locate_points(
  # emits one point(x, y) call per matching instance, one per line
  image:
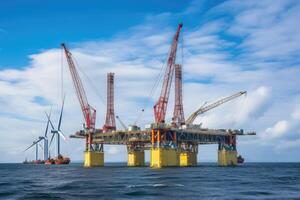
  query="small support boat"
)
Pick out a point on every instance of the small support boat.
point(240, 159)
point(60, 160)
point(50, 161)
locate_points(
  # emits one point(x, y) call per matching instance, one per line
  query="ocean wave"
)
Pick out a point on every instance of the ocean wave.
point(155, 185)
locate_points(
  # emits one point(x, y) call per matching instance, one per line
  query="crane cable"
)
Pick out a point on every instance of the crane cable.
point(62, 93)
point(158, 80)
point(152, 92)
point(90, 82)
point(242, 108)
point(62, 74)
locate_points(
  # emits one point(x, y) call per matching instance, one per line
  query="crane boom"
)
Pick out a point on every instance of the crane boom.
point(89, 112)
point(121, 122)
point(160, 107)
point(202, 109)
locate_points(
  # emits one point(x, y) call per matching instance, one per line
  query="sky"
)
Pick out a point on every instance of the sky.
point(225, 47)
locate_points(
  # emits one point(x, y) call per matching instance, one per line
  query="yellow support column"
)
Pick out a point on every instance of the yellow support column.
point(93, 158)
point(187, 159)
point(163, 157)
point(136, 158)
point(227, 157)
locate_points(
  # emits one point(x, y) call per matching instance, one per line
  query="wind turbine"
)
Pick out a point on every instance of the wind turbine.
point(36, 144)
point(45, 138)
point(57, 131)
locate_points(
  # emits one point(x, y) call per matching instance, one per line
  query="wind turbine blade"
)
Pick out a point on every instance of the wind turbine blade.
point(29, 147)
point(50, 121)
point(62, 135)
point(41, 146)
point(61, 113)
point(32, 144)
point(47, 127)
point(51, 139)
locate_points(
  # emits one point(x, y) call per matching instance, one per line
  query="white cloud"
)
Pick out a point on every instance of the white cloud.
point(284, 132)
point(278, 129)
point(239, 112)
point(272, 30)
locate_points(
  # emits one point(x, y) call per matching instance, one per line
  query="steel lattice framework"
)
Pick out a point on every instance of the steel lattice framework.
point(110, 123)
point(187, 136)
point(178, 115)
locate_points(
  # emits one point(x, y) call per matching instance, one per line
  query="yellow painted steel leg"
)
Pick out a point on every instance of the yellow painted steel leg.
point(188, 159)
point(227, 157)
point(163, 157)
point(93, 159)
point(136, 158)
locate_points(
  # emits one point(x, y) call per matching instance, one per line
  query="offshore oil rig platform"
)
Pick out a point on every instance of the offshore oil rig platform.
point(173, 144)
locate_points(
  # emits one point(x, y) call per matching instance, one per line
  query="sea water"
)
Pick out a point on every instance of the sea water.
point(117, 181)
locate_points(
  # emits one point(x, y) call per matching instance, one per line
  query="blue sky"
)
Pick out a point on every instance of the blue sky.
point(226, 46)
point(42, 25)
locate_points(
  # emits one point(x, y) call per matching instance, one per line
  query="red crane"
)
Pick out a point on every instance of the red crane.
point(160, 107)
point(88, 111)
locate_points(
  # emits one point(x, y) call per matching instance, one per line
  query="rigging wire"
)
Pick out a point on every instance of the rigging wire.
point(90, 82)
point(182, 49)
point(158, 80)
point(62, 96)
point(62, 75)
point(182, 63)
point(241, 109)
point(151, 93)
